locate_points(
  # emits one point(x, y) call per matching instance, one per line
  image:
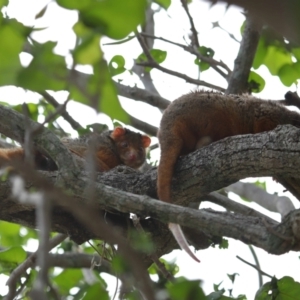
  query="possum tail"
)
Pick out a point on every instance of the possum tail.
point(181, 240)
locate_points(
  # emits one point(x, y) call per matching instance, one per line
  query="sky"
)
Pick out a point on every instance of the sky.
point(173, 25)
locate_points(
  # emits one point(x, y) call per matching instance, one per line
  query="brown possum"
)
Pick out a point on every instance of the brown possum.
point(200, 118)
point(112, 148)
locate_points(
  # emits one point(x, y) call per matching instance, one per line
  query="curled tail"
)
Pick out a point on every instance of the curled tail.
point(181, 240)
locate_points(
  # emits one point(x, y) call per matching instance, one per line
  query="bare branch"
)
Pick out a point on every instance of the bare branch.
point(146, 77)
point(152, 63)
point(136, 93)
point(145, 127)
point(75, 125)
point(233, 206)
point(12, 125)
point(212, 62)
point(254, 266)
point(291, 99)
point(238, 82)
point(280, 204)
point(194, 38)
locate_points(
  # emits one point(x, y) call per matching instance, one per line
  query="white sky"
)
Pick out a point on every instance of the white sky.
point(173, 25)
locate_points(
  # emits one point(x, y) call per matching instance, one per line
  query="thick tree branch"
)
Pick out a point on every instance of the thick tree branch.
point(215, 166)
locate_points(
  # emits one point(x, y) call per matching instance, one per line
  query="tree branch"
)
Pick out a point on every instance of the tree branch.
point(213, 167)
point(212, 62)
point(153, 64)
point(238, 82)
point(136, 93)
point(282, 205)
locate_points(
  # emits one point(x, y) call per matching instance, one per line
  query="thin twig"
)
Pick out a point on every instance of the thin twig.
point(161, 267)
point(254, 266)
point(152, 63)
point(195, 40)
point(212, 62)
point(75, 125)
point(260, 279)
point(28, 263)
point(43, 220)
point(182, 76)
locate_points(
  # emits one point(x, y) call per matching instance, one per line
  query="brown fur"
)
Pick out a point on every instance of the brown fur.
point(111, 148)
point(200, 118)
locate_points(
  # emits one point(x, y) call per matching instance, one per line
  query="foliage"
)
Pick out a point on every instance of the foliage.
point(279, 56)
point(119, 20)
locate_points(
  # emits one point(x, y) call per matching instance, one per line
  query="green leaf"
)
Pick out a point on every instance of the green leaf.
point(117, 65)
point(158, 55)
point(232, 276)
point(96, 291)
point(3, 3)
point(288, 74)
point(276, 58)
point(205, 51)
point(261, 184)
point(89, 51)
point(108, 100)
point(68, 279)
point(288, 288)
point(163, 3)
point(32, 108)
point(224, 244)
point(7, 228)
point(13, 255)
point(42, 12)
point(114, 18)
point(296, 53)
point(256, 82)
point(47, 71)
point(217, 287)
point(217, 296)
point(171, 267)
point(203, 66)
point(119, 265)
point(12, 40)
point(142, 242)
point(260, 54)
point(10, 234)
point(74, 4)
point(285, 288)
point(186, 289)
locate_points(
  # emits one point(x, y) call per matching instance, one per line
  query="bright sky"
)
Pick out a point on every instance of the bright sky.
point(173, 25)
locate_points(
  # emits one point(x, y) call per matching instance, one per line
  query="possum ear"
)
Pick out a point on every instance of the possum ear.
point(117, 132)
point(146, 141)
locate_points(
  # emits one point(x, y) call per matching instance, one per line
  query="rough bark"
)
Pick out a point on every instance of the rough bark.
point(273, 153)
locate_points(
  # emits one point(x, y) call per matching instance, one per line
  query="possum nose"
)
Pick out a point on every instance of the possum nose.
point(132, 156)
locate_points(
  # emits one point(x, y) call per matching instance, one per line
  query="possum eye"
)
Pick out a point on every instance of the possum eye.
point(124, 145)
